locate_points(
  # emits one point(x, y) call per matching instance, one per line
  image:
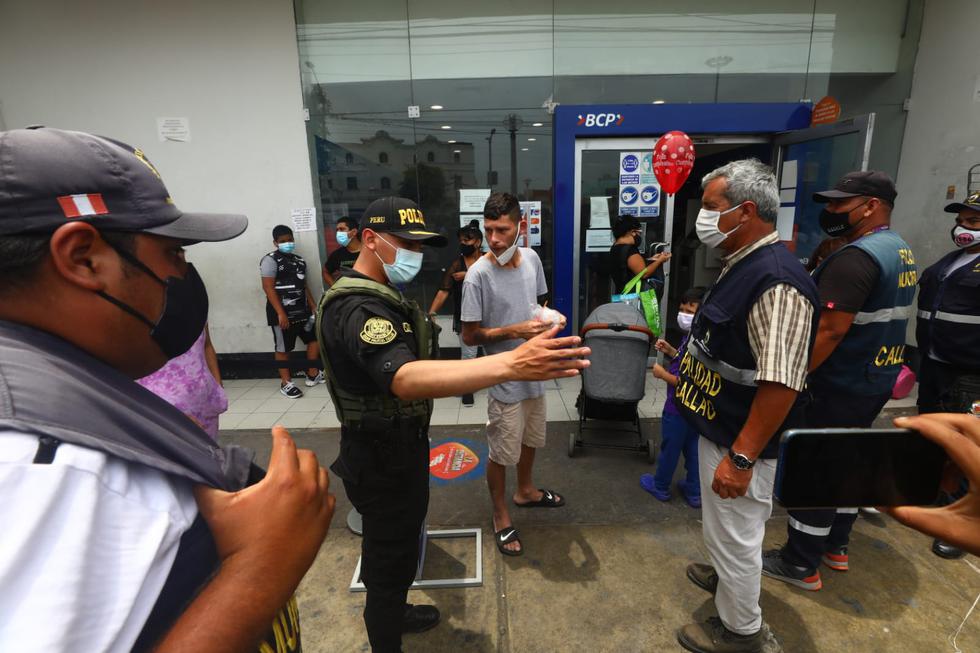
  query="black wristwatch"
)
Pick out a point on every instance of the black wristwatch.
point(741, 461)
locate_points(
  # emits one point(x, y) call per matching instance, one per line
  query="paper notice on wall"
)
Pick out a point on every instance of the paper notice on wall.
point(304, 219)
point(173, 129)
point(788, 178)
point(639, 191)
point(531, 212)
point(599, 212)
point(598, 240)
point(787, 196)
point(784, 222)
point(472, 200)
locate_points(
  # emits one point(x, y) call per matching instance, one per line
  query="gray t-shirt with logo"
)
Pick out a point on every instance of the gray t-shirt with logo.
point(499, 296)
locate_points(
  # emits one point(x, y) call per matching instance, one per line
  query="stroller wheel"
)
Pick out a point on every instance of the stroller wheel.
point(651, 451)
point(571, 444)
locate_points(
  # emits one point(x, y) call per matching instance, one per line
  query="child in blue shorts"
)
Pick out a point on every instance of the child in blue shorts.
point(677, 435)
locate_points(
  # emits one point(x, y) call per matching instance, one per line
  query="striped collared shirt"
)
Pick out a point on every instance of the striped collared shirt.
point(779, 326)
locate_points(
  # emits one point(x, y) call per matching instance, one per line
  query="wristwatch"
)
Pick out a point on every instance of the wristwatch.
point(741, 461)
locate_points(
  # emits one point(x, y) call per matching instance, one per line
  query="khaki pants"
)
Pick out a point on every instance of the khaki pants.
point(733, 531)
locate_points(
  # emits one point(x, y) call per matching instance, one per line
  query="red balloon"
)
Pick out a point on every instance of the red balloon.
point(673, 159)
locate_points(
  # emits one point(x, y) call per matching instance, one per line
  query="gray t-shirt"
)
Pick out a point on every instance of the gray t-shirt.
point(499, 296)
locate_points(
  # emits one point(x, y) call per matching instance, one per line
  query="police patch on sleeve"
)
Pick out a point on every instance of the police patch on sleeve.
point(378, 331)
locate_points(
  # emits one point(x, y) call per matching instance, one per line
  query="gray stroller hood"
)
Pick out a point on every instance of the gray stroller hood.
point(618, 364)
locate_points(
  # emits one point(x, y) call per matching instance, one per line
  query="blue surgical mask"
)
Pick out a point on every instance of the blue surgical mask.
point(343, 238)
point(287, 248)
point(406, 266)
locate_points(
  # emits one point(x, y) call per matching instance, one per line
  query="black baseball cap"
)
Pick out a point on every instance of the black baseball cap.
point(51, 176)
point(971, 203)
point(401, 217)
point(869, 183)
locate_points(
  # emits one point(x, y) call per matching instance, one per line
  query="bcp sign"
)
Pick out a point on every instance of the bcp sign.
point(600, 119)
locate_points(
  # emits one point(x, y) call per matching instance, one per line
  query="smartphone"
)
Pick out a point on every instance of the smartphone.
point(845, 468)
point(658, 248)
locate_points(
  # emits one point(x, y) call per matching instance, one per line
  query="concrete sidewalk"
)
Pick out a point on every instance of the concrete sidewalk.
point(606, 572)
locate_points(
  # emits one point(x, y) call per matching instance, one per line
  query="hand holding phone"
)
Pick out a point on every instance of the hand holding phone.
point(958, 523)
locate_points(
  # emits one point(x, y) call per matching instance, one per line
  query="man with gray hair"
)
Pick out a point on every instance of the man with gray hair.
point(739, 384)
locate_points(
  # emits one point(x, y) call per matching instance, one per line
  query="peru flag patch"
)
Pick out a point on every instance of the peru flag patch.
point(76, 206)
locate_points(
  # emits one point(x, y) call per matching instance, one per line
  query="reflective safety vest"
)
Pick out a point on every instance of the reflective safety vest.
point(364, 411)
point(867, 361)
point(948, 322)
point(716, 384)
point(290, 286)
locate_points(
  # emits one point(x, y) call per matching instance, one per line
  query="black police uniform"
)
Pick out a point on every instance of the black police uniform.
point(948, 328)
point(365, 338)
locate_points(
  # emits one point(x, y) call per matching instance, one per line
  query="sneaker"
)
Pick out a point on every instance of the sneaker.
point(290, 390)
point(468, 399)
point(711, 636)
point(774, 566)
point(704, 576)
point(315, 380)
point(836, 558)
point(870, 511)
point(693, 500)
point(420, 618)
point(646, 482)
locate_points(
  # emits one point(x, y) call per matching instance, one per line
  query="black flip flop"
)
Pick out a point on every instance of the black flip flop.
point(548, 500)
point(505, 536)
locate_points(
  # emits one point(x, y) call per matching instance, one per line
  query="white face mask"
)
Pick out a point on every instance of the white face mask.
point(707, 230)
point(684, 321)
point(965, 238)
point(508, 253)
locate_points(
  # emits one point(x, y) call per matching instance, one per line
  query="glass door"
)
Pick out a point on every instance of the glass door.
point(613, 176)
point(811, 160)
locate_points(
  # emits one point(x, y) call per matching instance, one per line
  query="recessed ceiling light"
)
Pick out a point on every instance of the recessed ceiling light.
point(436, 107)
point(532, 139)
point(523, 149)
point(537, 124)
point(658, 101)
point(446, 127)
point(450, 141)
point(457, 151)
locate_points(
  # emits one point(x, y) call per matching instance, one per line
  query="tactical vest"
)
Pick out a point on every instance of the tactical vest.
point(360, 411)
point(867, 361)
point(716, 384)
point(56, 391)
point(948, 321)
point(290, 286)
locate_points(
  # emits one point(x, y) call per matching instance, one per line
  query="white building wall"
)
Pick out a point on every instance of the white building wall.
point(231, 67)
point(942, 133)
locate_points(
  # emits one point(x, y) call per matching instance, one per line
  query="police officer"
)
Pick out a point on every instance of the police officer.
point(377, 348)
point(948, 326)
point(866, 291)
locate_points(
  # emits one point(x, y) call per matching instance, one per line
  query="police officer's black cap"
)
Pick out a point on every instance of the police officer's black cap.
point(400, 217)
point(51, 176)
point(863, 183)
point(971, 203)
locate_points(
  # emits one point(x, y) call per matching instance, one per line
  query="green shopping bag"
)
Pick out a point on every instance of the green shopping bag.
point(644, 300)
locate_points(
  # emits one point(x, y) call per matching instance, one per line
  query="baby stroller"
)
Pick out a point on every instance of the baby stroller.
point(613, 384)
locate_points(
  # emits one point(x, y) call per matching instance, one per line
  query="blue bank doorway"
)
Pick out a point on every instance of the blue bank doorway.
point(598, 147)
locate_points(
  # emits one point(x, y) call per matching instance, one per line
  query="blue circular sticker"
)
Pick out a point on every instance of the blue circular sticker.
point(628, 195)
point(630, 163)
point(650, 194)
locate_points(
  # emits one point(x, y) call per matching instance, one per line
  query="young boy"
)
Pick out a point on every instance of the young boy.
point(676, 433)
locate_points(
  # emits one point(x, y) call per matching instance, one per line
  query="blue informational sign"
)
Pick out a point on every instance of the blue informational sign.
point(630, 163)
point(628, 195)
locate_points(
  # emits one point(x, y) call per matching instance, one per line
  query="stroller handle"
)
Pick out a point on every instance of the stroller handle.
point(618, 326)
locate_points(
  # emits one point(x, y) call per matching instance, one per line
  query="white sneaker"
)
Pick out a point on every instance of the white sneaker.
point(290, 390)
point(315, 380)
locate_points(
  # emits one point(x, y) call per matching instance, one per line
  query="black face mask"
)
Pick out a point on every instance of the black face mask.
point(467, 250)
point(838, 224)
point(185, 309)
